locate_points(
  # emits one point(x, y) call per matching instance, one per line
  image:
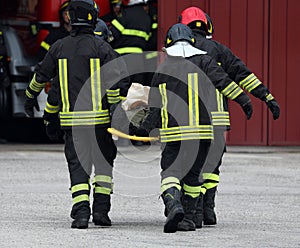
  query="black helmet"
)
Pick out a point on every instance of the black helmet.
point(83, 12)
point(101, 31)
point(179, 32)
point(210, 26)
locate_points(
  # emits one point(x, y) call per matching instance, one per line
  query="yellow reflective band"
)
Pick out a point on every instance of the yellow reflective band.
point(210, 185)
point(232, 91)
point(193, 99)
point(203, 190)
point(80, 198)
point(36, 86)
point(45, 45)
point(1, 33)
point(151, 55)
point(84, 114)
point(122, 97)
point(220, 102)
point(179, 137)
point(193, 195)
point(63, 80)
point(253, 85)
point(96, 84)
point(164, 187)
point(168, 180)
point(113, 92)
point(191, 189)
point(102, 190)
point(186, 129)
point(220, 118)
point(154, 26)
point(102, 178)
point(124, 50)
point(79, 187)
point(131, 32)
point(28, 94)
point(164, 111)
point(84, 122)
point(51, 108)
point(211, 176)
point(269, 97)
point(98, 33)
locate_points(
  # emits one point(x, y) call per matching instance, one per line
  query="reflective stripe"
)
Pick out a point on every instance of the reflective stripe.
point(84, 122)
point(193, 191)
point(52, 109)
point(151, 55)
point(45, 45)
point(103, 190)
point(220, 118)
point(269, 97)
point(124, 50)
point(210, 185)
point(131, 32)
point(203, 190)
point(170, 182)
point(36, 86)
point(186, 133)
point(63, 80)
point(84, 114)
point(102, 178)
point(232, 91)
point(211, 176)
point(250, 82)
point(80, 198)
point(29, 94)
point(193, 99)
point(113, 96)
point(96, 84)
point(154, 25)
point(79, 187)
point(220, 102)
point(164, 111)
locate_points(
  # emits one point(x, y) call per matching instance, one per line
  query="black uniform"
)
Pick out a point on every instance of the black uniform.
point(131, 32)
point(241, 74)
point(54, 35)
point(82, 98)
point(185, 125)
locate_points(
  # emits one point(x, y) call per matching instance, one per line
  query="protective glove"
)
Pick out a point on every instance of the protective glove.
point(138, 131)
point(53, 130)
point(274, 108)
point(29, 104)
point(248, 109)
point(244, 101)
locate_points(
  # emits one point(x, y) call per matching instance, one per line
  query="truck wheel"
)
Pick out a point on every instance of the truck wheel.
point(4, 105)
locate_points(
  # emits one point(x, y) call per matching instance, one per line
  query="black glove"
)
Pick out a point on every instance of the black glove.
point(29, 104)
point(248, 109)
point(53, 130)
point(138, 131)
point(244, 101)
point(274, 108)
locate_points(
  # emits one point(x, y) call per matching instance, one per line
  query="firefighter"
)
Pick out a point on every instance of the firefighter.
point(184, 121)
point(115, 8)
point(56, 33)
point(202, 27)
point(83, 113)
point(102, 31)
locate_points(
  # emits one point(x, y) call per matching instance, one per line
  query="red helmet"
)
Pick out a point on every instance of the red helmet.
point(193, 15)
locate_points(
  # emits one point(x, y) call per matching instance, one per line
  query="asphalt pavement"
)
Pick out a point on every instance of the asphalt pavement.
point(258, 200)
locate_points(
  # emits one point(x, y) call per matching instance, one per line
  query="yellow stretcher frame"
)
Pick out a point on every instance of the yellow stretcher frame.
point(131, 137)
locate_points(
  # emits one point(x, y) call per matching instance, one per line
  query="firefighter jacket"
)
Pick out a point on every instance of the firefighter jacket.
point(233, 66)
point(84, 96)
point(54, 35)
point(176, 94)
point(131, 30)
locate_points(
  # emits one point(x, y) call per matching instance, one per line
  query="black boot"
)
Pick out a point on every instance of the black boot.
point(209, 215)
point(81, 214)
point(171, 198)
point(189, 206)
point(101, 207)
point(198, 217)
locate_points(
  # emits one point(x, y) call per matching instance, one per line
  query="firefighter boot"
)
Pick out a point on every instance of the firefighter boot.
point(101, 207)
point(209, 215)
point(189, 206)
point(81, 214)
point(171, 198)
point(198, 217)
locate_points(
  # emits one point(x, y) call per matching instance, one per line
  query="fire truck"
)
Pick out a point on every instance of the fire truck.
point(24, 24)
